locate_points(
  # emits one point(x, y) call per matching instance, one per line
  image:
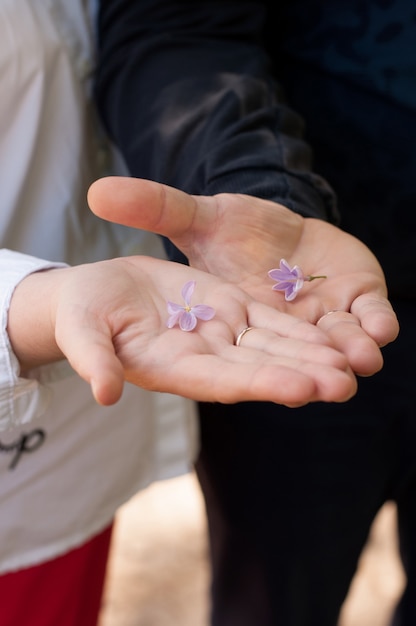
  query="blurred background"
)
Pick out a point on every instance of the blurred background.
point(159, 572)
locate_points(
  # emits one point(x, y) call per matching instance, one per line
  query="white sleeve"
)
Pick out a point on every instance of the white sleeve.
point(21, 399)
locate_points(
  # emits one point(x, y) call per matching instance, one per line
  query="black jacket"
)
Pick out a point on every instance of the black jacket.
point(196, 96)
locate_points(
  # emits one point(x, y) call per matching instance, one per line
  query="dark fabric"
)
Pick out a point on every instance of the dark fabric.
point(200, 107)
point(196, 95)
point(291, 494)
point(350, 71)
point(254, 97)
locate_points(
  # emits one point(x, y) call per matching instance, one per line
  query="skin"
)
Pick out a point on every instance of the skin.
point(109, 320)
point(239, 238)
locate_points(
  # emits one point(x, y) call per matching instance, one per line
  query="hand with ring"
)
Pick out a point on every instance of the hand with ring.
point(240, 238)
point(112, 321)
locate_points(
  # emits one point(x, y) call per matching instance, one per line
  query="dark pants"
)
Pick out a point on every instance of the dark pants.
point(291, 494)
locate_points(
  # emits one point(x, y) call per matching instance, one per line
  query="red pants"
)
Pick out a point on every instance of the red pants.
point(65, 591)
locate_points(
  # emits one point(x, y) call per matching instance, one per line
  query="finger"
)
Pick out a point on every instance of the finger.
point(148, 205)
point(242, 374)
point(284, 324)
point(377, 318)
point(270, 343)
point(328, 367)
point(91, 354)
point(349, 337)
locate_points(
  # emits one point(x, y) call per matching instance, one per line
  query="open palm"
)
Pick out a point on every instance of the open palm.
point(110, 320)
point(240, 238)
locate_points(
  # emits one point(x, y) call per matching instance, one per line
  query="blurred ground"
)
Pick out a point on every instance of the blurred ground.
point(159, 575)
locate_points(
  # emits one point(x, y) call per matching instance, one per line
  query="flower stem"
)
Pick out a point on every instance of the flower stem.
point(309, 278)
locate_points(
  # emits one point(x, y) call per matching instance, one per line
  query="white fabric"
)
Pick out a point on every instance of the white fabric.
point(66, 464)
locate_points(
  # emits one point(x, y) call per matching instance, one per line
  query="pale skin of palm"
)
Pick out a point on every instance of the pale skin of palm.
point(109, 320)
point(240, 238)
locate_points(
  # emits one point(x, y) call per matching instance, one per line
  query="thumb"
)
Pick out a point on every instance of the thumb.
point(150, 206)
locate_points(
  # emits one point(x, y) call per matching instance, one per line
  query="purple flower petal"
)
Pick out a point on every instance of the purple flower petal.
point(292, 291)
point(186, 315)
point(187, 291)
point(187, 320)
point(288, 279)
point(174, 318)
point(174, 308)
point(290, 271)
point(203, 312)
point(284, 273)
point(282, 286)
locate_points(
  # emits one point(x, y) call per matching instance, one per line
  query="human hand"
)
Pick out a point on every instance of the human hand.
point(109, 320)
point(240, 238)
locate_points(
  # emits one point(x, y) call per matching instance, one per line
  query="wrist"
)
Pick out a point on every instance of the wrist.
point(31, 319)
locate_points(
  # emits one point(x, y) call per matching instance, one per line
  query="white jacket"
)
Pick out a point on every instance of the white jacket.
point(66, 464)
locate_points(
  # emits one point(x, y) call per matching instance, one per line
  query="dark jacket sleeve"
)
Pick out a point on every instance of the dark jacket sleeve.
point(186, 91)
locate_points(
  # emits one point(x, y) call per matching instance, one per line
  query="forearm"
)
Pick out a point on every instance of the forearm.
point(187, 93)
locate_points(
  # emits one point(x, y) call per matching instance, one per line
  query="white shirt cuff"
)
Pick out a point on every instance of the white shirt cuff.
point(21, 399)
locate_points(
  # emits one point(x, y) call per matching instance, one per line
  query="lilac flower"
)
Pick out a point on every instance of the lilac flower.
point(187, 316)
point(289, 279)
